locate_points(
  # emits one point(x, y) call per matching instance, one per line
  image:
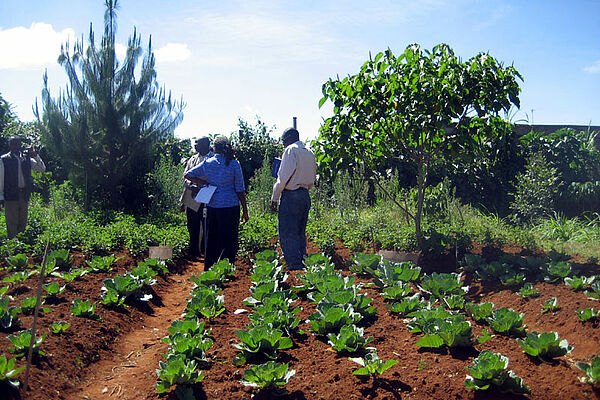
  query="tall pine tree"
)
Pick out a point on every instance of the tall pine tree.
point(105, 126)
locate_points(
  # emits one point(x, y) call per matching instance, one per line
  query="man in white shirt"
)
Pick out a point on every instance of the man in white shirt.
point(296, 177)
point(16, 184)
point(194, 209)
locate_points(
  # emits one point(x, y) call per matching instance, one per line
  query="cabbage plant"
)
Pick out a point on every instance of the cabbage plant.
point(350, 339)
point(490, 370)
point(269, 375)
point(260, 342)
point(544, 345)
point(8, 372)
point(507, 321)
point(592, 371)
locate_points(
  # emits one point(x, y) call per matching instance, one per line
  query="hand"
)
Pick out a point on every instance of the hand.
point(274, 206)
point(1, 203)
point(182, 207)
point(245, 217)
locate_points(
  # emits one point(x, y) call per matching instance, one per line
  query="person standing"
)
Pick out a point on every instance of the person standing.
point(295, 178)
point(194, 209)
point(16, 184)
point(223, 209)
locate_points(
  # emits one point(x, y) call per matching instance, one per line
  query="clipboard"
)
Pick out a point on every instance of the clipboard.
point(205, 194)
point(275, 169)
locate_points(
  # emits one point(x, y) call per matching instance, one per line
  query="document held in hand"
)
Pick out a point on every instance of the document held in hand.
point(205, 194)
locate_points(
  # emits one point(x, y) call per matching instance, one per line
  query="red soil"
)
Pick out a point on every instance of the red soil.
point(118, 358)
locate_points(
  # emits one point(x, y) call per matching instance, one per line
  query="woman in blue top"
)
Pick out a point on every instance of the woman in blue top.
point(223, 217)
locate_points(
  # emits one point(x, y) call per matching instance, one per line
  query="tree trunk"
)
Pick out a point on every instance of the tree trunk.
point(420, 196)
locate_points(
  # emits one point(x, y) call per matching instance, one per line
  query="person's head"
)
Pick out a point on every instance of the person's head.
point(14, 144)
point(290, 135)
point(202, 146)
point(223, 146)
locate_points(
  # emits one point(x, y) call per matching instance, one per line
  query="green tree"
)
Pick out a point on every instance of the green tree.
point(107, 123)
point(6, 114)
point(413, 107)
point(253, 145)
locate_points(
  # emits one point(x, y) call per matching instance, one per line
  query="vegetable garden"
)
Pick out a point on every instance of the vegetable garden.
point(361, 327)
point(500, 300)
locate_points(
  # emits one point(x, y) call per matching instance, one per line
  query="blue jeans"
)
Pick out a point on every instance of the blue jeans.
point(293, 216)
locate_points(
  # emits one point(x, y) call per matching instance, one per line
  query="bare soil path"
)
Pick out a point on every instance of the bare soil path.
point(131, 371)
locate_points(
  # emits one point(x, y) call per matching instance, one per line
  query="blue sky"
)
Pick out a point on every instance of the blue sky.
point(231, 59)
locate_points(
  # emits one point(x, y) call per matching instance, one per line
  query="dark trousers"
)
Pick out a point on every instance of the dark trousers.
point(193, 225)
point(293, 217)
point(222, 234)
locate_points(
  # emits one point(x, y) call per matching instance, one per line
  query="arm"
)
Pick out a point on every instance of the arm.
point(1, 182)
point(197, 175)
point(242, 197)
point(37, 164)
point(286, 170)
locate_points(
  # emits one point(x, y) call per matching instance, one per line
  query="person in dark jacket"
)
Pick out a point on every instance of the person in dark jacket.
point(16, 184)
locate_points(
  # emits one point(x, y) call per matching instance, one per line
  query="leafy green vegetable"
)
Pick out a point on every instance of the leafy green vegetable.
point(490, 370)
point(485, 336)
point(588, 314)
point(331, 283)
point(479, 312)
point(592, 371)
point(594, 293)
point(278, 319)
point(264, 271)
point(84, 309)
point(388, 273)
point(143, 274)
point(421, 318)
point(557, 270)
point(550, 305)
point(212, 277)
point(472, 262)
point(507, 321)
point(268, 375)
point(359, 302)
point(268, 255)
point(21, 342)
point(396, 292)
point(441, 285)
point(177, 370)
point(579, 282)
point(8, 314)
point(349, 340)
point(206, 302)
point(544, 345)
point(452, 331)
point(329, 318)
point(188, 326)
point(28, 305)
point(74, 274)
point(528, 291)
point(512, 278)
point(189, 346)
point(372, 365)
point(318, 260)
point(17, 262)
point(115, 291)
point(260, 342)
point(259, 291)
point(156, 264)
point(59, 327)
point(60, 259)
point(407, 305)
point(364, 263)
point(102, 264)
point(8, 371)
point(54, 289)
point(18, 277)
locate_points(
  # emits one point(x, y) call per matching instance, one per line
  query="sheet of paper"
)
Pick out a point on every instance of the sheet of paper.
point(205, 194)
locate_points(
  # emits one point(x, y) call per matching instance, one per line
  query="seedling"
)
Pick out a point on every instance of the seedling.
point(592, 371)
point(84, 309)
point(528, 291)
point(59, 327)
point(588, 314)
point(372, 365)
point(550, 305)
point(8, 371)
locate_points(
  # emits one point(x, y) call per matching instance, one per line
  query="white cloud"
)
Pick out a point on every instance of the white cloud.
point(172, 52)
point(33, 47)
point(594, 68)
